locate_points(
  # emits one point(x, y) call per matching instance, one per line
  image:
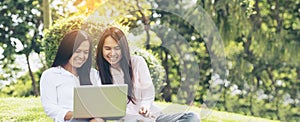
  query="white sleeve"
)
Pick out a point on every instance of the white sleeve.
point(49, 98)
point(95, 78)
point(146, 84)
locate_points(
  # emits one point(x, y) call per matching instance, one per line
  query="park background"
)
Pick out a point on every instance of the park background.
point(243, 60)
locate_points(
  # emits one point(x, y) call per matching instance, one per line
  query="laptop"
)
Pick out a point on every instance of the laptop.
point(105, 101)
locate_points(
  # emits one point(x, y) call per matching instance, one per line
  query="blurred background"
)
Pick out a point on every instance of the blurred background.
point(239, 56)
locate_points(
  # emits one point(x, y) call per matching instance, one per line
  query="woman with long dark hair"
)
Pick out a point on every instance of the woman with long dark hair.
point(71, 67)
point(116, 66)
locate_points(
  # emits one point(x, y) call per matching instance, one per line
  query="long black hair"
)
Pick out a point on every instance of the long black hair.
point(125, 62)
point(68, 45)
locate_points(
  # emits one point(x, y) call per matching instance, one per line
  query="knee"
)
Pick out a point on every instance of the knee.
point(193, 117)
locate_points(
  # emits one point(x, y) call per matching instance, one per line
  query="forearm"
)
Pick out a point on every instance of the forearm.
point(148, 95)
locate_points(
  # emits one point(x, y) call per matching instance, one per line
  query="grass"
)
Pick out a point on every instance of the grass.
point(22, 109)
point(208, 115)
point(30, 109)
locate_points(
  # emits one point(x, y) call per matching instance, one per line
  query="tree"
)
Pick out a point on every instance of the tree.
point(47, 19)
point(260, 40)
point(20, 25)
point(260, 44)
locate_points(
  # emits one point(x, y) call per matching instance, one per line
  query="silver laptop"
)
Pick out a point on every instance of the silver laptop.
point(105, 101)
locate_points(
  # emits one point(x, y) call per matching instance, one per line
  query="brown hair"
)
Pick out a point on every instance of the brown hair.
point(68, 45)
point(125, 62)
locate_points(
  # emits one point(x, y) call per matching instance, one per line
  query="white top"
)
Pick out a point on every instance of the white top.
point(56, 87)
point(143, 86)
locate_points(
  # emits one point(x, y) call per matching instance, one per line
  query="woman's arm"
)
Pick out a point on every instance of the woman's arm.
point(95, 78)
point(146, 87)
point(49, 98)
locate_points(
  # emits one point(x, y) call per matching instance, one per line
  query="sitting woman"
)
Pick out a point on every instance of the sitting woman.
point(116, 66)
point(71, 67)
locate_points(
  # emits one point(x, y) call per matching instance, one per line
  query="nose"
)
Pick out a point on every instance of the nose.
point(113, 52)
point(81, 55)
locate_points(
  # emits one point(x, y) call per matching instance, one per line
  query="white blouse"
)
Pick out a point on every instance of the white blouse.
point(143, 87)
point(56, 87)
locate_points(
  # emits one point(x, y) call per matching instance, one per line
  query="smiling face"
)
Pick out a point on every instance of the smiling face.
point(111, 51)
point(80, 55)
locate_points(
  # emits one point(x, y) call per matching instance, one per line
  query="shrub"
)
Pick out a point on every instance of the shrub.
point(156, 70)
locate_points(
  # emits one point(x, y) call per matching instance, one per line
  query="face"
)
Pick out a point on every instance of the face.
point(111, 51)
point(80, 55)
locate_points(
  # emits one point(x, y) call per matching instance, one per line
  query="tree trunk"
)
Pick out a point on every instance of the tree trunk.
point(146, 21)
point(148, 37)
point(167, 90)
point(46, 14)
point(35, 90)
point(277, 17)
point(256, 18)
point(224, 97)
point(251, 103)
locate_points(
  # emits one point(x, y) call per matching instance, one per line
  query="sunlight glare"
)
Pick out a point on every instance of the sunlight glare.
point(17, 43)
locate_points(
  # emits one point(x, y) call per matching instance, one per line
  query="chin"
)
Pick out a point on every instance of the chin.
point(111, 63)
point(78, 66)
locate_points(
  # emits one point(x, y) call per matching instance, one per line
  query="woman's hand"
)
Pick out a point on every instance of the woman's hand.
point(145, 111)
point(97, 120)
point(68, 115)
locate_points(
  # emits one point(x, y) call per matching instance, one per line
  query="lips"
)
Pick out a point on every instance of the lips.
point(79, 61)
point(113, 59)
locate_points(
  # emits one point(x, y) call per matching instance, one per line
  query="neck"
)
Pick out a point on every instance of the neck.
point(71, 69)
point(115, 66)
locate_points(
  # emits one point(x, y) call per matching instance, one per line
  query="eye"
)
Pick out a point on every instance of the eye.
point(86, 52)
point(77, 51)
point(107, 48)
point(117, 48)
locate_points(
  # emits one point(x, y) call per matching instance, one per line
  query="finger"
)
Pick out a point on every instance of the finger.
point(146, 111)
point(99, 120)
point(148, 114)
point(141, 111)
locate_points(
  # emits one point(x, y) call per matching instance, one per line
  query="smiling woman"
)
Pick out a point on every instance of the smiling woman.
point(116, 66)
point(71, 67)
point(111, 51)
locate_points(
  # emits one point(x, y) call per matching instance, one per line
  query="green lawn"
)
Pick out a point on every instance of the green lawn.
point(22, 109)
point(30, 109)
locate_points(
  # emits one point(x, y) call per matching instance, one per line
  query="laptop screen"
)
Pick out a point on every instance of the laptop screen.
point(106, 101)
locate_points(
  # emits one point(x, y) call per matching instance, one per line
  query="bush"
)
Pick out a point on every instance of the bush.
point(156, 70)
point(22, 87)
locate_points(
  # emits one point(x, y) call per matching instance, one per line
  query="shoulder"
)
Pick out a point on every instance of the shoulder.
point(51, 75)
point(137, 59)
point(52, 71)
point(138, 62)
point(95, 79)
point(94, 71)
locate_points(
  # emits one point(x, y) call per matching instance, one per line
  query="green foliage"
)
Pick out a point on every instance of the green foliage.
point(260, 56)
point(261, 39)
point(19, 34)
point(22, 87)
